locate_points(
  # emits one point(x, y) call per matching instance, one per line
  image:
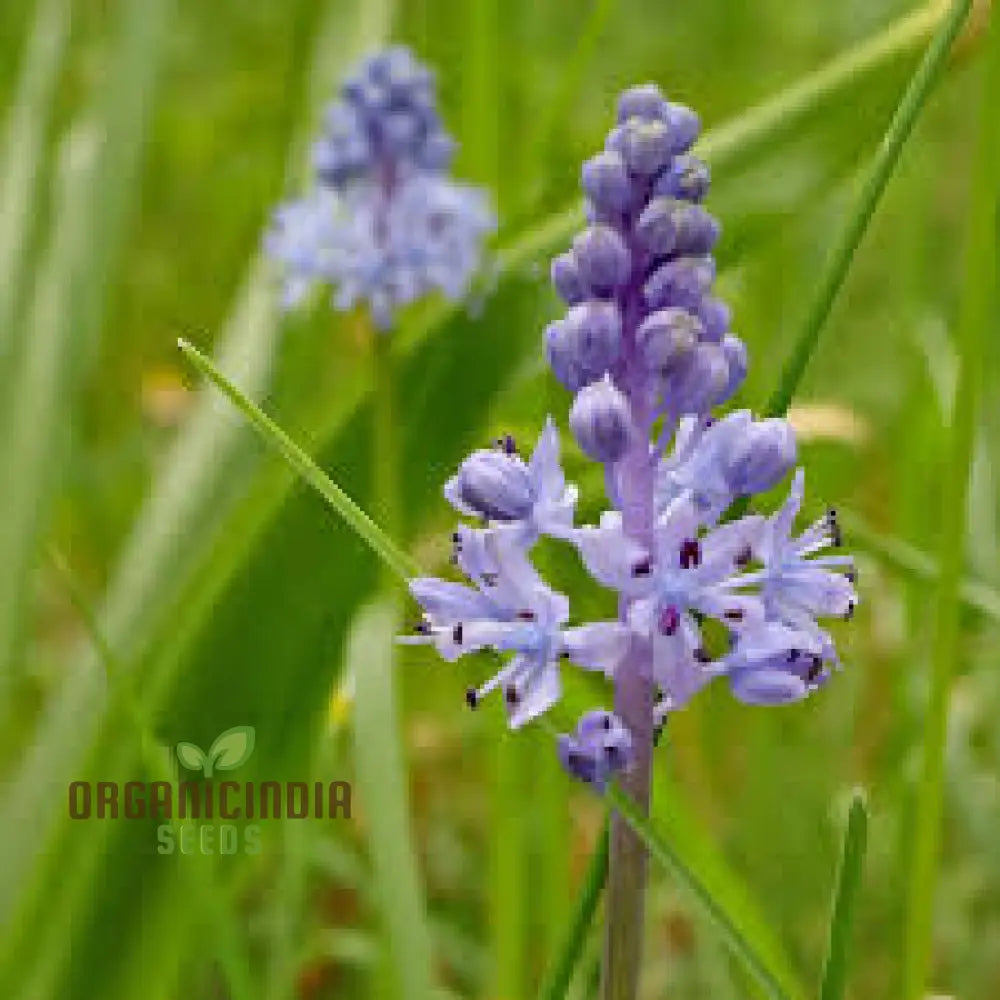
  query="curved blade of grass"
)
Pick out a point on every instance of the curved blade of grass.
point(977, 313)
point(64, 318)
point(381, 544)
point(560, 972)
point(23, 152)
point(660, 849)
point(42, 379)
point(852, 859)
point(381, 781)
point(694, 844)
point(839, 260)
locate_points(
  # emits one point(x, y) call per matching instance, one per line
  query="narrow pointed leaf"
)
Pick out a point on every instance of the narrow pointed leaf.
point(976, 321)
point(560, 972)
point(848, 886)
point(663, 852)
point(839, 261)
point(22, 163)
point(383, 546)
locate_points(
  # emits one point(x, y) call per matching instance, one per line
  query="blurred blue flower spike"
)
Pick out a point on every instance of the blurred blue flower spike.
point(383, 224)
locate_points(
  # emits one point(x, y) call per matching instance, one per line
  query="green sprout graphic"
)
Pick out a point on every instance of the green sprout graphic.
point(230, 750)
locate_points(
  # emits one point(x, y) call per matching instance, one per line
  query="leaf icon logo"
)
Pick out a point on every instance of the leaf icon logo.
point(230, 750)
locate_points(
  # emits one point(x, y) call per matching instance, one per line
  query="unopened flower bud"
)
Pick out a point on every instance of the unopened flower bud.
point(600, 748)
point(606, 183)
point(585, 344)
point(684, 125)
point(601, 421)
point(695, 232)
point(495, 485)
point(566, 279)
point(685, 178)
point(645, 100)
point(682, 283)
point(562, 356)
point(645, 146)
point(715, 317)
point(602, 259)
point(666, 338)
point(668, 226)
point(695, 385)
point(761, 457)
point(597, 331)
point(736, 356)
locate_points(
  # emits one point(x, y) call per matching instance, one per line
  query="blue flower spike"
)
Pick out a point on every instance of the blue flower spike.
point(647, 352)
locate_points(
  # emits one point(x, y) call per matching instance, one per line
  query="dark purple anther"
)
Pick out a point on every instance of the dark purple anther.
point(669, 620)
point(690, 554)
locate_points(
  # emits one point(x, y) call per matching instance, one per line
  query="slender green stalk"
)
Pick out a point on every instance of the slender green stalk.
point(381, 543)
point(834, 980)
point(660, 849)
point(560, 972)
point(839, 261)
point(977, 313)
point(22, 148)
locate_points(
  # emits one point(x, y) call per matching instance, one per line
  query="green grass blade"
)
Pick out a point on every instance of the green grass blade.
point(692, 841)
point(834, 981)
point(840, 257)
point(381, 544)
point(21, 167)
point(32, 418)
point(63, 320)
point(664, 853)
point(382, 788)
point(560, 972)
point(977, 312)
point(796, 107)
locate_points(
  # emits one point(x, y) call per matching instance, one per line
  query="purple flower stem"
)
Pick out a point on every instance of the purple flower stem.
point(634, 697)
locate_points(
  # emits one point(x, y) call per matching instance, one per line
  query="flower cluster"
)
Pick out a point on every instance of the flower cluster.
point(648, 354)
point(383, 223)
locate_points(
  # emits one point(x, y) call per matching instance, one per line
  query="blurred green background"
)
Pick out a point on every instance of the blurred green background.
point(162, 579)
